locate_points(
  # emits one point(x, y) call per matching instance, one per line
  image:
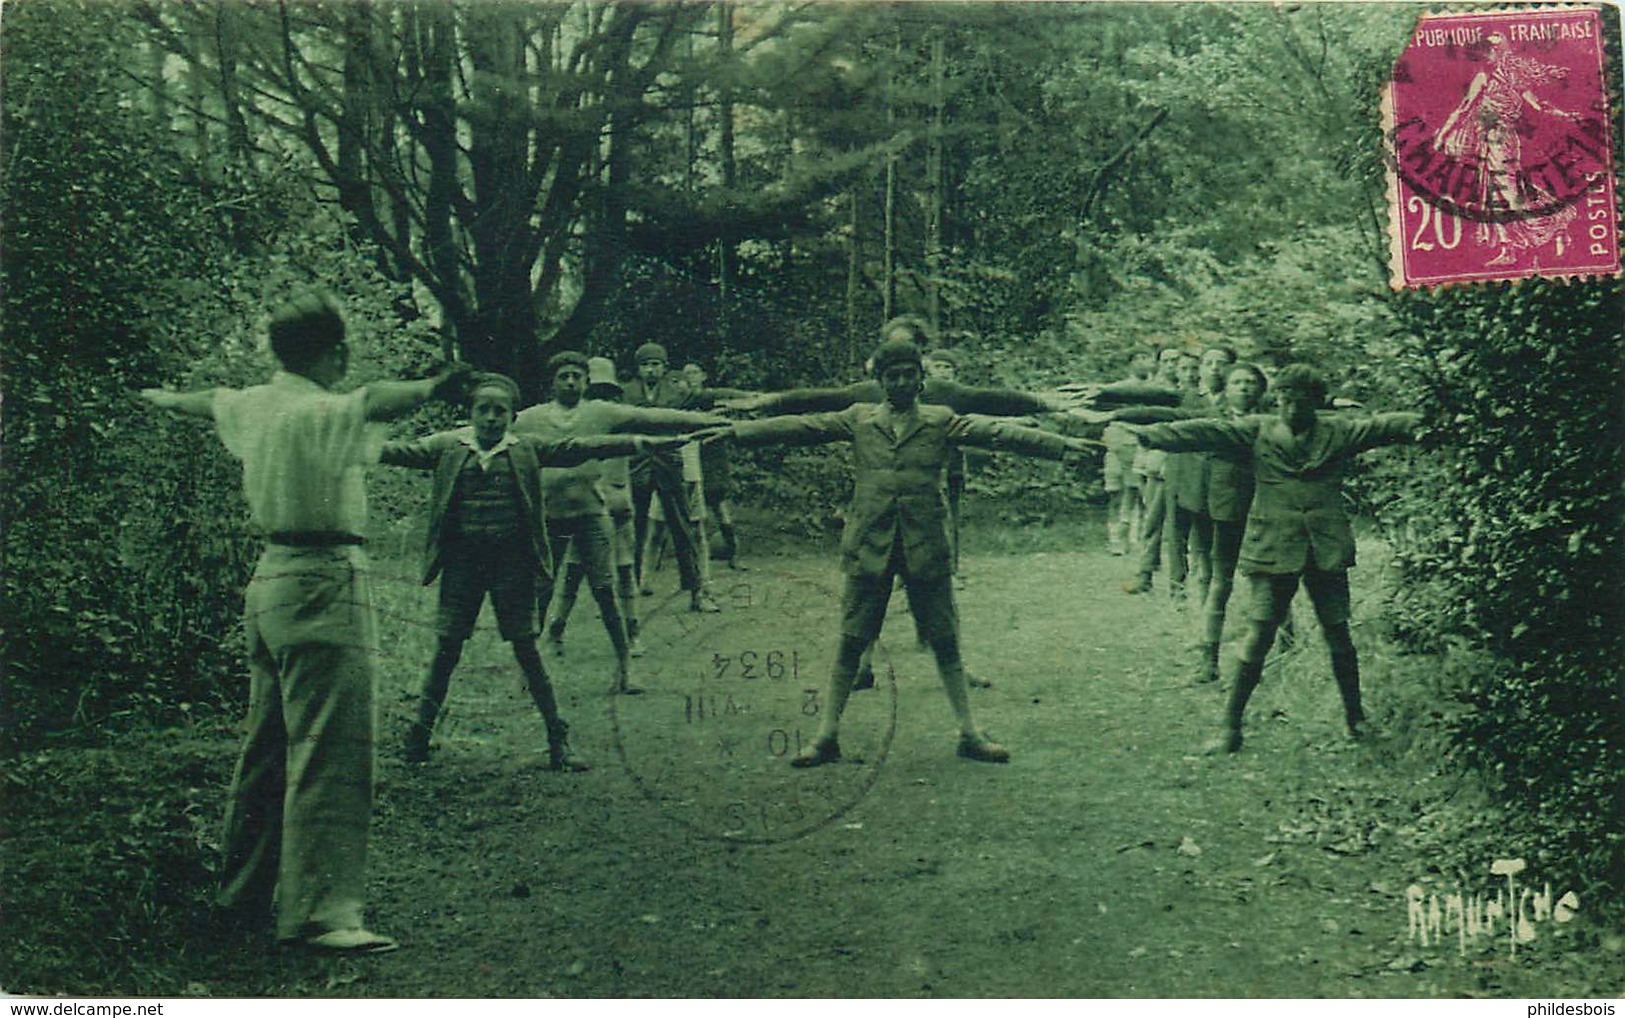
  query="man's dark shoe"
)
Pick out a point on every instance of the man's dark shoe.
point(975, 681)
point(865, 679)
point(559, 757)
point(1229, 741)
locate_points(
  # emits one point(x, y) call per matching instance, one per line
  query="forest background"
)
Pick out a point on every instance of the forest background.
point(758, 186)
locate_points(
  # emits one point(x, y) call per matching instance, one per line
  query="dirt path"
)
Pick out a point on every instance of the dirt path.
point(1106, 860)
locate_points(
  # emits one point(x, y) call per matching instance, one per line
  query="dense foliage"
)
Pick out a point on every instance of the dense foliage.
point(1514, 543)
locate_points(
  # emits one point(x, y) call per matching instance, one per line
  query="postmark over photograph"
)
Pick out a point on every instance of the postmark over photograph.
point(1499, 149)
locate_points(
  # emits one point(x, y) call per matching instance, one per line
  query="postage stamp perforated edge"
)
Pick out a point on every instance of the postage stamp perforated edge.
point(1396, 193)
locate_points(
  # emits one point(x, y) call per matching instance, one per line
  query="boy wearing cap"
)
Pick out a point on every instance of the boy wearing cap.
point(577, 506)
point(676, 390)
point(897, 525)
point(487, 536)
point(300, 810)
point(615, 475)
point(1297, 529)
point(662, 477)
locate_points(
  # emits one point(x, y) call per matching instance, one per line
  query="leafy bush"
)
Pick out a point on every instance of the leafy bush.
point(125, 542)
point(1511, 535)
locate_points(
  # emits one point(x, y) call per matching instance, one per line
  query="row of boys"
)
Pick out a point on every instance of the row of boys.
point(301, 801)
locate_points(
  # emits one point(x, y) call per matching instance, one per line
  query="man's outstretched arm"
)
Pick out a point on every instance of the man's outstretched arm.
point(198, 403)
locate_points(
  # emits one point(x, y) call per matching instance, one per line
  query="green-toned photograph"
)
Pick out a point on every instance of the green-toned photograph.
point(508, 499)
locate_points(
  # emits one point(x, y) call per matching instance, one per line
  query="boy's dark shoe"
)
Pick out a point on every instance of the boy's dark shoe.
point(624, 688)
point(823, 751)
point(980, 747)
point(1141, 585)
point(975, 681)
point(703, 602)
point(555, 642)
point(1228, 741)
point(559, 757)
point(1208, 670)
point(865, 679)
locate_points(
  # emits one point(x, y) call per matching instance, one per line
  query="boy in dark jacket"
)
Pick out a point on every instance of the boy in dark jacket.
point(1297, 529)
point(487, 536)
point(897, 525)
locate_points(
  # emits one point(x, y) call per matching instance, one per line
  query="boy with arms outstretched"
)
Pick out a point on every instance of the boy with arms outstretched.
point(487, 535)
point(1297, 529)
point(897, 525)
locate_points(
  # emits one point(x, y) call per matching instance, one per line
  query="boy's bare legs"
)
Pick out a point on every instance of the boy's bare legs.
point(972, 743)
point(1346, 670)
point(825, 748)
point(431, 697)
point(627, 590)
point(541, 691)
point(1260, 635)
point(564, 604)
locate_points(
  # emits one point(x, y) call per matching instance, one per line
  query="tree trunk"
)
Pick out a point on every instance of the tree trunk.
point(730, 169)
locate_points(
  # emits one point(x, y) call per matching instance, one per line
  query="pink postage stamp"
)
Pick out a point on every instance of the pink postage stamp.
point(1500, 149)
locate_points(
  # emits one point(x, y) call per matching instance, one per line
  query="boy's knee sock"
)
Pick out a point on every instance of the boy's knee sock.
point(432, 695)
point(573, 576)
point(951, 669)
point(610, 609)
point(730, 542)
point(1248, 674)
point(541, 689)
point(1346, 670)
point(841, 677)
point(627, 591)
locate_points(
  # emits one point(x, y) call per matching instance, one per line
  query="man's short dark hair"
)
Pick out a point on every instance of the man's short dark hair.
point(493, 380)
point(1304, 379)
point(944, 355)
point(919, 330)
point(1228, 351)
point(304, 329)
point(563, 357)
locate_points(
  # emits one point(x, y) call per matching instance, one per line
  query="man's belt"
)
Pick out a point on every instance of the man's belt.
point(313, 538)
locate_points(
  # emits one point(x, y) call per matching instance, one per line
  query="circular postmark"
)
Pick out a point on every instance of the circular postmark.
point(732, 697)
point(1498, 121)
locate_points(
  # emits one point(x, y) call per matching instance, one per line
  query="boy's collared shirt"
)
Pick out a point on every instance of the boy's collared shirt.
point(484, 456)
point(304, 452)
point(447, 453)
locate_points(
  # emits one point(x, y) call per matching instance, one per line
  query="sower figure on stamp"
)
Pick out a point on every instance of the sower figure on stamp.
point(897, 525)
point(615, 475)
point(577, 506)
point(487, 535)
point(300, 812)
point(1297, 529)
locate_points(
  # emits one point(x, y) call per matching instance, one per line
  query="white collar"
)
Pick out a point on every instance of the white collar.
point(485, 456)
